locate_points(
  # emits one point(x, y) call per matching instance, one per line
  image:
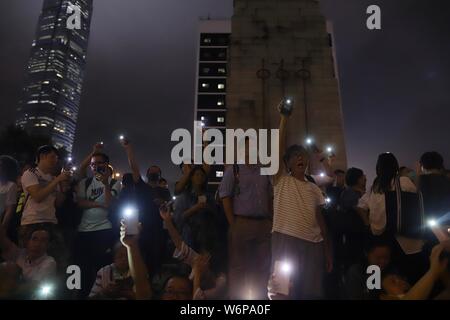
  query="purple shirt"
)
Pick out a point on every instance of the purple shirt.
point(255, 191)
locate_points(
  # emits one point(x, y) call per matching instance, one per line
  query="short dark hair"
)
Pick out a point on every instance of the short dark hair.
point(432, 160)
point(101, 154)
point(38, 227)
point(377, 242)
point(155, 166)
point(44, 150)
point(352, 176)
point(10, 168)
point(290, 151)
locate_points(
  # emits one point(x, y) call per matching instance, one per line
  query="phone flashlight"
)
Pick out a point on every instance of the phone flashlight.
point(432, 223)
point(328, 200)
point(286, 267)
point(309, 141)
point(74, 168)
point(329, 149)
point(69, 159)
point(287, 106)
point(131, 217)
point(45, 291)
point(101, 142)
point(121, 137)
point(322, 174)
point(282, 274)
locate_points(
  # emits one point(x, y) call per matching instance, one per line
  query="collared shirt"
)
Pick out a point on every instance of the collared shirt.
point(38, 212)
point(37, 270)
point(255, 191)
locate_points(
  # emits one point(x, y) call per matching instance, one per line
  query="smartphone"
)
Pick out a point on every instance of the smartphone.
point(202, 199)
point(123, 139)
point(101, 170)
point(131, 217)
point(282, 278)
point(287, 106)
point(440, 233)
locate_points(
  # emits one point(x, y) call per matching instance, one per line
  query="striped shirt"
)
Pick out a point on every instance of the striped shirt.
point(109, 275)
point(295, 206)
point(188, 255)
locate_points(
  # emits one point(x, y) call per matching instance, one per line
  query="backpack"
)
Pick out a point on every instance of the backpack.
point(404, 213)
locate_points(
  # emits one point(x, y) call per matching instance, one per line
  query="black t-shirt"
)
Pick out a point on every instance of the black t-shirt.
point(435, 189)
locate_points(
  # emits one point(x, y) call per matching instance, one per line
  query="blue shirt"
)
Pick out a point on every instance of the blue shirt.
point(255, 191)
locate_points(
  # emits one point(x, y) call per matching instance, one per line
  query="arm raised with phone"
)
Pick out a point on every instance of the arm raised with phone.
point(138, 270)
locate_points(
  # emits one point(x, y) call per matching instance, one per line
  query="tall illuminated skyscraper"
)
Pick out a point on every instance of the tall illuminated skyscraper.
point(55, 71)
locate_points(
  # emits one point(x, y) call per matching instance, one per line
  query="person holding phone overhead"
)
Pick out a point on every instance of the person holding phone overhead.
point(301, 251)
point(95, 236)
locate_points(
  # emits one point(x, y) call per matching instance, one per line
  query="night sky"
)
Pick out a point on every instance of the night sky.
point(141, 75)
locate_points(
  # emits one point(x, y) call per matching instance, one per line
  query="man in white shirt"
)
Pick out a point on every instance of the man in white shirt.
point(33, 260)
point(299, 236)
point(95, 235)
point(42, 195)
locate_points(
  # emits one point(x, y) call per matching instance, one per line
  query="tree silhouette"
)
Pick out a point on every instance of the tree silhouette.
point(22, 146)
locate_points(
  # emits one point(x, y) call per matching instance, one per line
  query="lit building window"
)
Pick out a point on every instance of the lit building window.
point(221, 70)
point(202, 118)
point(220, 119)
point(220, 103)
point(207, 40)
point(220, 86)
point(219, 174)
point(206, 70)
point(205, 85)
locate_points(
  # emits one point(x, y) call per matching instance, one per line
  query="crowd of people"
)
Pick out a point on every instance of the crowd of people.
point(309, 232)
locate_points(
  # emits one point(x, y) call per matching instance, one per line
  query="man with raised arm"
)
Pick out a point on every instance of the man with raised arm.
point(300, 245)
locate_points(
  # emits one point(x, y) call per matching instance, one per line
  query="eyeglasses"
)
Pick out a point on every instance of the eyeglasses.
point(97, 163)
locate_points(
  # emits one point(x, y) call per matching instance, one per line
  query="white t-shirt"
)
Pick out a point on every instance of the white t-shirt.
point(295, 206)
point(38, 212)
point(375, 203)
point(8, 196)
point(95, 219)
point(40, 269)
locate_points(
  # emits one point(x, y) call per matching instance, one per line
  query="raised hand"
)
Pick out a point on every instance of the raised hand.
point(126, 239)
